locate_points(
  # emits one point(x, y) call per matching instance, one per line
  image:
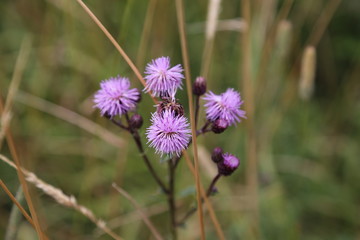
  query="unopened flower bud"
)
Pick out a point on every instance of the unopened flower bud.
point(136, 121)
point(199, 87)
point(219, 126)
point(228, 165)
point(216, 155)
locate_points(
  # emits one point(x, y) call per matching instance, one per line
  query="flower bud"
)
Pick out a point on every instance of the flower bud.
point(136, 121)
point(228, 165)
point(199, 87)
point(219, 126)
point(216, 155)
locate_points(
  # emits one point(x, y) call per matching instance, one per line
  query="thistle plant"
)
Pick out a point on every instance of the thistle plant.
point(169, 133)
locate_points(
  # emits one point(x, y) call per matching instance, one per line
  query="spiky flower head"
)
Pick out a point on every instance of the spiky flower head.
point(225, 106)
point(115, 97)
point(229, 164)
point(169, 133)
point(162, 79)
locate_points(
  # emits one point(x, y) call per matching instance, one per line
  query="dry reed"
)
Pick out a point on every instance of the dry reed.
point(13, 199)
point(184, 51)
point(61, 198)
point(15, 81)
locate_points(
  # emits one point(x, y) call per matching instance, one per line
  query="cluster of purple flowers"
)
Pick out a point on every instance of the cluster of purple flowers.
point(170, 132)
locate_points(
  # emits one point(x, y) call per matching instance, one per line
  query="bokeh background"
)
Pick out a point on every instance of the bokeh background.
point(296, 63)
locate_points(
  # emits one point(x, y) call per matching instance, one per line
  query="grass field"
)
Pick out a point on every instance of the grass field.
point(295, 63)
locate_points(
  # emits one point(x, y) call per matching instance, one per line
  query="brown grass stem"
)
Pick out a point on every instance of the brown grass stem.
point(17, 75)
point(184, 50)
point(145, 35)
point(171, 198)
point(13, 199)
point(146, 220)
point(61, 198)
point(115, 43)
point(210, 208)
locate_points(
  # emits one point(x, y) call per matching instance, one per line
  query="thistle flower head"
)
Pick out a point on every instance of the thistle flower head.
point(162, 79)
point(115, 97)
point(169, 133)
point(229, 164)
point(225, 106)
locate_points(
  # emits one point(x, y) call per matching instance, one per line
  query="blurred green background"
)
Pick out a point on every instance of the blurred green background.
point(303, 138)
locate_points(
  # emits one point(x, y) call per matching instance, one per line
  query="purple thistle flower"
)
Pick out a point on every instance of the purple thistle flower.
point(168, 133)
point(229, 164)
point(161, 79)
point(225, 106)
point(115, 97)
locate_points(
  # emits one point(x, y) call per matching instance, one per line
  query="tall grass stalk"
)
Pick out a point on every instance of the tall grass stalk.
point(184, 51)
point(115, 43)
point(15, 81)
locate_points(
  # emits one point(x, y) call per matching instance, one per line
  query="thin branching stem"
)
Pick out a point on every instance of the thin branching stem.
point(208, 194)
point(135, 134)
point(145, 218)
point(213, 182)
point(197, 109)
point(204, 128)
point(171, 198)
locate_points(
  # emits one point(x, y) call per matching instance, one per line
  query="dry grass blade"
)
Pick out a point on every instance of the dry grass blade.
point(116, 45)
point(70, 117)
point(146, 33)
point(138, 207)
point(4, 124)
point(11, 196)
point(307, 73)
point(184, 51)
point(15, 81)
point(63, 199)
point(212, 17)
point(235, 24)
